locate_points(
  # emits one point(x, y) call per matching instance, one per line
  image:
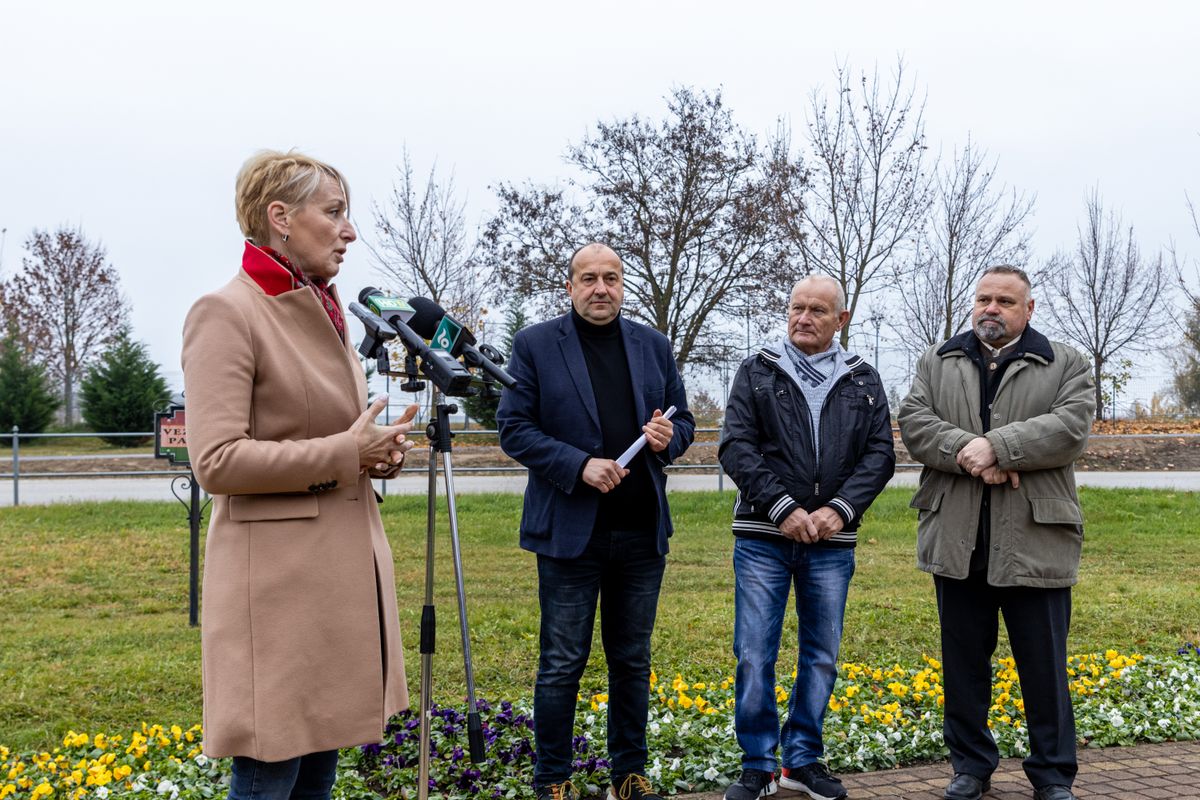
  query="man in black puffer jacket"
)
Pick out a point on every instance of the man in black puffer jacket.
point(808, 441)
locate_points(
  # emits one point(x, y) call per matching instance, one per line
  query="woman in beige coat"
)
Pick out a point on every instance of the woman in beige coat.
point(300, 634)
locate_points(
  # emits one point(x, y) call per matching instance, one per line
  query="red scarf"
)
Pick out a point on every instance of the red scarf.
point(273, 281)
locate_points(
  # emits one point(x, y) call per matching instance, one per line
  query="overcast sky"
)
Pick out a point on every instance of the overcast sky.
point(131, 119)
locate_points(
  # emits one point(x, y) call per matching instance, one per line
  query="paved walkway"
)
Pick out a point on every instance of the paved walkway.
point(39, 491)
point(1131, 773)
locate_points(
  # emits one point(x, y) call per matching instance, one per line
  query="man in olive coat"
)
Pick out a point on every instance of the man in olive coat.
point(998, 415)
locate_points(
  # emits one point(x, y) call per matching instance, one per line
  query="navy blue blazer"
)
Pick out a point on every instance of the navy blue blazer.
point(549, 422)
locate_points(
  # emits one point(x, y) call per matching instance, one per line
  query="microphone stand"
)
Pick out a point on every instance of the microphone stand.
point(439, 435)
point(438, 432)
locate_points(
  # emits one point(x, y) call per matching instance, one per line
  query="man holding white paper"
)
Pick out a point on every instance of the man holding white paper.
point(589, 384)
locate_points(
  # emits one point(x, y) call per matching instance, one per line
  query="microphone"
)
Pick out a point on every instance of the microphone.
point(385, 305)
point(439, 365)
point(432, 322)
point(378, 330)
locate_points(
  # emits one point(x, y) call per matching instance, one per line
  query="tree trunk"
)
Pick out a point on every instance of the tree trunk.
point(1097, 369)
point(68, 398)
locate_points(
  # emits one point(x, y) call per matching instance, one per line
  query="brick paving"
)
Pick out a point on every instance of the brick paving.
point(1168, 770)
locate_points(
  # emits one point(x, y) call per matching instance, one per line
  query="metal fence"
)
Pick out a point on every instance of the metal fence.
point(16, 474)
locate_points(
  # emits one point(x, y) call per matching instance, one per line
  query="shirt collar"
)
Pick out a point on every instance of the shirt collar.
point(996, 352)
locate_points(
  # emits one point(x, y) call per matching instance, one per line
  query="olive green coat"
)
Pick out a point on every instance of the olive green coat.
point(1041, 417)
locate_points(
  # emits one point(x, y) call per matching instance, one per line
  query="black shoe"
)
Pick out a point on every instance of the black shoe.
point(1053, 793)
point(966, 787)
point(557, 791)
point(753, 784)
point(815, 779)
point(632, 787)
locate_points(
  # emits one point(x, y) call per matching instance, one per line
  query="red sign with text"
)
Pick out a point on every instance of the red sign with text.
point(170, 436)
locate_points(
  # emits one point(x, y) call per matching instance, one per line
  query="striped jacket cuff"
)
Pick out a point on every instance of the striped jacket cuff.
point(781, 508)
point(844, 509)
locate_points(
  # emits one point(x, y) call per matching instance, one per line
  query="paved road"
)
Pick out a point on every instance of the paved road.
point(35, 491)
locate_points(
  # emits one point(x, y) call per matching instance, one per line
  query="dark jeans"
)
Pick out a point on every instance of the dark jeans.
point(624, 571)
point(1037, 621)
point(307, 777)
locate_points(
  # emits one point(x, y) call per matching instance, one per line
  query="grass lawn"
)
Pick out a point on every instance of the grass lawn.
point(93, 601)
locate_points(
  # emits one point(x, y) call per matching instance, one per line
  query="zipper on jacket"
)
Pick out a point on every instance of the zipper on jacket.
point(870, 399)
point(804, 411)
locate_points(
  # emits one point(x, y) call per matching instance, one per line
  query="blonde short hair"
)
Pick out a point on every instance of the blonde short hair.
point(269, 175)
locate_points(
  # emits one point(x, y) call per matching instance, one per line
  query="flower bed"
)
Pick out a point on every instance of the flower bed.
point(879, 717)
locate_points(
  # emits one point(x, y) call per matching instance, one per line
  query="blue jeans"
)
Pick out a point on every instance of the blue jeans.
point(624, 570)
point(764, 572)
point(308, 777)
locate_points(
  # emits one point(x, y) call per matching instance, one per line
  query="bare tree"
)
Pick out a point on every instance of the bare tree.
point(690, 203)
point(971, 225)
point(866, 191)
point(1191, 332)
point(67, 303)
point(1186, 360)
point(1105, 297)
point(424, 246)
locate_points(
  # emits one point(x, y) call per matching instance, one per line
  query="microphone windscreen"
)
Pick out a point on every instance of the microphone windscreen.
point(367, 292)
point(428, 315)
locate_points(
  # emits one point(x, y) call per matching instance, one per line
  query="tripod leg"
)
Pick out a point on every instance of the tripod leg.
point(428, 635)
point(474, 727)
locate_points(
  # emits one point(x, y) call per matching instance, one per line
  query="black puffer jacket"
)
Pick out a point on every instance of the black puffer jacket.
point(767, 446)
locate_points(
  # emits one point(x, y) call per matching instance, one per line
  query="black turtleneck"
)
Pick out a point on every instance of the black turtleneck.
point(632, 505)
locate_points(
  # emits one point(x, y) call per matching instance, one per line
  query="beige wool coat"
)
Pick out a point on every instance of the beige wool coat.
point(300, 634)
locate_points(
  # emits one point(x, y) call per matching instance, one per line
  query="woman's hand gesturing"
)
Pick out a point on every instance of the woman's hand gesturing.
point(382, 446)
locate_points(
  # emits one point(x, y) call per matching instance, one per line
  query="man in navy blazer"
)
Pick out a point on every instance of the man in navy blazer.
point(588, 384)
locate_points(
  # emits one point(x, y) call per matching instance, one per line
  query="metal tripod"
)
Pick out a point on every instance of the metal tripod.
point(439, 435)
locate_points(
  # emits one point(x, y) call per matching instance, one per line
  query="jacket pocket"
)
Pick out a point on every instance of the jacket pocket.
point(259, 507)
point(1044, 550)
point(537, 510)
point(928, 497)
point(1055, 511)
